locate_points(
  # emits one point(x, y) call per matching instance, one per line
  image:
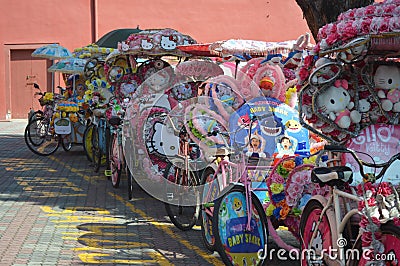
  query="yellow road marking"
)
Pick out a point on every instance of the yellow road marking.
point(211, 259)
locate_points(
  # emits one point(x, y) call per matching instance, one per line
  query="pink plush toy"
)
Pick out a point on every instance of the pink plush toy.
point(271, 80)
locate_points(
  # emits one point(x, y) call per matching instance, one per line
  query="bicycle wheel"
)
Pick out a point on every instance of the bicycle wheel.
point(96, 150)
point(130, 183)
point(323, 240)
point(39, 138)
point(115, 160)
point(183, 215)
point(234, 242)
point(36, 114)
point(210, 193)
point(87, 142)
point(66, 142)
point(390, 237)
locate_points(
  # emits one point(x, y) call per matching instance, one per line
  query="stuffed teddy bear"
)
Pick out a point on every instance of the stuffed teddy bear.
point(387, 82)
point(336, 103)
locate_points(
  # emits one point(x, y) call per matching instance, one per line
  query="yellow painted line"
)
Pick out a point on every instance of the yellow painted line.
point(94, 258)
point(39, 179)
point(162, 261)
point(209, 258)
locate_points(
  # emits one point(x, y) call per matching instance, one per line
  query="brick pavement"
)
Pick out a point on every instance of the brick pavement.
point(55, 211)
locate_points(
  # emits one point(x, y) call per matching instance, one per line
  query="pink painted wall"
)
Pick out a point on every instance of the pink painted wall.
point(29, 24)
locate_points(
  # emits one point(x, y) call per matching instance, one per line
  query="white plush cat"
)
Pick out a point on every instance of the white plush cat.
point(336, 103)
point(387, 82)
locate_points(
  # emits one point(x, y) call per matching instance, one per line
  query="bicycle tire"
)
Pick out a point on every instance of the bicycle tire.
point(87, 142)
point(66, 142)
point(206, 219)
point(36, 114)
point(115, 161)
point(47, 143)
point(130, 183)
point(96, 150)
point(323, 239)
point(390, 237)
point(232, 240)
point(183, 216)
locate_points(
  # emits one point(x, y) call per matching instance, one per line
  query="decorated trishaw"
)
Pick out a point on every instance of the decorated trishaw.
point(349, 96)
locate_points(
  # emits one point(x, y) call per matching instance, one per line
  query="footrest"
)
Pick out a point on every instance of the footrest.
point(107, 172)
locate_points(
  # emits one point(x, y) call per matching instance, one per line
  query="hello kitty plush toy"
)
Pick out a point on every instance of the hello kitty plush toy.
point(323, 71)
point(387, 82)
point(336, 103)
point(364, 106)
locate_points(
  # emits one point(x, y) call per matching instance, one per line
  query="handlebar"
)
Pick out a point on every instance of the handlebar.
point(384, 166)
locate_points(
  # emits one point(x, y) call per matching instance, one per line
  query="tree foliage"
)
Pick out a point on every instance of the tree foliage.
point(320, 12)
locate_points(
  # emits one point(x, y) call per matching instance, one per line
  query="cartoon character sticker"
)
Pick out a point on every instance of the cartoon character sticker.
point(274, 124)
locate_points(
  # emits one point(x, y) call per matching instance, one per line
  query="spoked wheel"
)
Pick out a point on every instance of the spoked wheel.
point(36, 114)
point(39, 138)
point(87, 142)
point(323, 237)
point(390, 237)
point(183, 198)
point(116, 160)
point(210, 193)
point(130, 183)
point(66, 142)
point(234, 241)
point(96, 150)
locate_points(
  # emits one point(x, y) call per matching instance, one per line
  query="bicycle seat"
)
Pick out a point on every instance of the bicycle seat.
point(332, 176)
point(99, 112)
point(115, 121)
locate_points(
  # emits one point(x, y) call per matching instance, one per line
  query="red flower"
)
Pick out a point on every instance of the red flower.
point(308, 60)
point(366, 239)
point(369, 10)
point(365, 25)
point(303, 73)
point(332, 38)
point(384, 189)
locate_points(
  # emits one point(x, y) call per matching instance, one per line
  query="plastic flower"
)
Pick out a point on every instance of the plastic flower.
point(277, 213)
point(276, 188)
point(289, 164)
point(278, 197)
point(270, 209)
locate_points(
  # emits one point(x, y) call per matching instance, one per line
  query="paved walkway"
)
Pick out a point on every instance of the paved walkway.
point(55, 211)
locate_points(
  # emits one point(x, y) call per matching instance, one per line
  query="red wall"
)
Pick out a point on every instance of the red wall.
point(69, 22)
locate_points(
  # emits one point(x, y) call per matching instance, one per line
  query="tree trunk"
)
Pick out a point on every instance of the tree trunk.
point(320, 12)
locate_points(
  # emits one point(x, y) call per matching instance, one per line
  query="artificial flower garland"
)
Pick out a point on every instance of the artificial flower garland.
point(380, 204)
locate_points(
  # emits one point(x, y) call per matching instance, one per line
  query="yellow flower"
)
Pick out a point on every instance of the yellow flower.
point(270, 210)
point(276, 188)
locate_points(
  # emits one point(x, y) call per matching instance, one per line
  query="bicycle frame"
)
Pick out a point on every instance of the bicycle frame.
point(336, 221)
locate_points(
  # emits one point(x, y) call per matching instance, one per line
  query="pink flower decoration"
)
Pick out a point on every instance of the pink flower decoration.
point(349, 31)
point(359, 13)
point(379, 11)
point(384, 189)
point(389, 9)
point(394, 23)
point(384, 25)
point(332, 38)
point(366, 238)
point(365, 25)
point(396, 11)
point(369, 10)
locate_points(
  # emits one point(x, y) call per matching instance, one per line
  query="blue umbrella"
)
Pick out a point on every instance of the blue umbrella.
point(71, 65)
point(52, 51)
